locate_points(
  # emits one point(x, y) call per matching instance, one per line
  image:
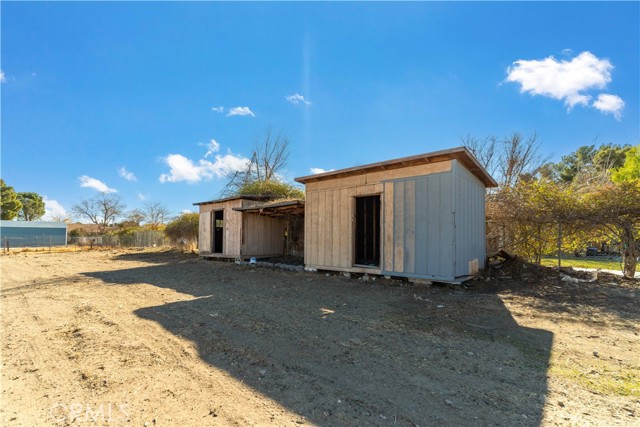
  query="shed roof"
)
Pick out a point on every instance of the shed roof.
point(228, 199)
point(275, 209)
point(462, 154)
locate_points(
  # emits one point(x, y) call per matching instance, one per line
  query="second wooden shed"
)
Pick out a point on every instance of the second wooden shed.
point(421, 216)
point(242, 227)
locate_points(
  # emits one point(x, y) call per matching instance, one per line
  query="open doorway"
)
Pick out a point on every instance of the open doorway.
point(218, 232)
point(368, 231)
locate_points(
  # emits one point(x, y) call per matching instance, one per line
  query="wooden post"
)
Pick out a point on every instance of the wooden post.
point(559, 245)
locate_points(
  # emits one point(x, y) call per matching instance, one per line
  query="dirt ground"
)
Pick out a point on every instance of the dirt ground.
point(160, 338)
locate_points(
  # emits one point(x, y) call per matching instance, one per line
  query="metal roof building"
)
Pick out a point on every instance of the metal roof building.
point(22, 234)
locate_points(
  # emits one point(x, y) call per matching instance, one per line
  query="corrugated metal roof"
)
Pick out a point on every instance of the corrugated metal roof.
point(32, 224)
point(462, 154)
point(277, 209)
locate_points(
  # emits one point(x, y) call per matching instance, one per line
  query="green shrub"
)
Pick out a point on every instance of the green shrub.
point(271, 189)
point(183, 230)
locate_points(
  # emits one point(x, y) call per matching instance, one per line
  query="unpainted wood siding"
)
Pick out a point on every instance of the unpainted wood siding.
point(232, 226)
point(330, 213)
point(263, 235)
point(204, 233)
point(470, 222)
point(419, 227)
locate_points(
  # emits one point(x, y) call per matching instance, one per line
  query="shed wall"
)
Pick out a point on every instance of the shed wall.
point(263, 235)
point(330, 214)
point(419, 227)
point(470, 223)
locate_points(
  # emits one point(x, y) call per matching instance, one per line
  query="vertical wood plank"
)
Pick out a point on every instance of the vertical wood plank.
point(398, 229)
point(351, 231)
point(313, 238)
point(335, 252)
point(410, 226)
point(344, 228)
point(322, 210)
point(387, 248)
point(328, 231)
point(433, 226)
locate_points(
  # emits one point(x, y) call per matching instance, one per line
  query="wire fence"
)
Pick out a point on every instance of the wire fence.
point(42, 241)
point(141, 239)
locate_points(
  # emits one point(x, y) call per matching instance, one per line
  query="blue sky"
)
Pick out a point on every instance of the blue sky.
point(156, 101)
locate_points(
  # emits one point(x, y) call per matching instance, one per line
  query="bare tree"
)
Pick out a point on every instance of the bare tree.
point(155, 214)
point(519, 158)
point(485, 151)
point(133, 218)
point(509, 159)
point(269, 158)
point(101, 210)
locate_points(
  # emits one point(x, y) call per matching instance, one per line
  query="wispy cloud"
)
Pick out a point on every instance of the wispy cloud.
point(96, 184)
point(2, 77)
point(129, 176)
point(53, 210)
point(320, 170)
point(218, 109)
point(240, 111)
point(212, 148)
point(609, 104)
point(565, 80)
point(296, 99)
point(141, 196)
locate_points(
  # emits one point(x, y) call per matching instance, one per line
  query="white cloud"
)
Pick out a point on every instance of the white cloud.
point(218, 109)
point(320, 170)
point(296, 99)
point(184, 169)
point(141, 196)
point(53, 210)
point(2, 77)
point(240, 111)
point(563, 80)
point(186, 211)
point(129, 176)
point(96, 184)
point(213, 147)
point(609, 104)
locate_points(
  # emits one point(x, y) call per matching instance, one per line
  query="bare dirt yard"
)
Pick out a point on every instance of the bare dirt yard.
point(160, 338)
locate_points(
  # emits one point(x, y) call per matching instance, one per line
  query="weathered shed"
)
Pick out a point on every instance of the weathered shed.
point(421, 216)
point(247, 226)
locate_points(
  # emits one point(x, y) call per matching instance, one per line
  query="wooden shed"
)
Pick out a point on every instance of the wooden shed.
point(421, 217)
point(247, 226)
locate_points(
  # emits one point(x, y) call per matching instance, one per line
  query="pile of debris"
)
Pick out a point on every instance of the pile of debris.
point(503, 265)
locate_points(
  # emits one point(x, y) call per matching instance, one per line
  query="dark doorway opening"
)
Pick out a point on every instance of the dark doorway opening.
point(368, 231)
point(218, 231)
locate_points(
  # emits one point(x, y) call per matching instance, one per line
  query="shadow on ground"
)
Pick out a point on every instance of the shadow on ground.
point(341, 351)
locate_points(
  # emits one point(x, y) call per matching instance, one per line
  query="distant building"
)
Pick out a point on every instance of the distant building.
point(25, 234)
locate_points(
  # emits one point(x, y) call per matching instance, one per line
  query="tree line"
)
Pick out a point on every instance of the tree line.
point(591, 196)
